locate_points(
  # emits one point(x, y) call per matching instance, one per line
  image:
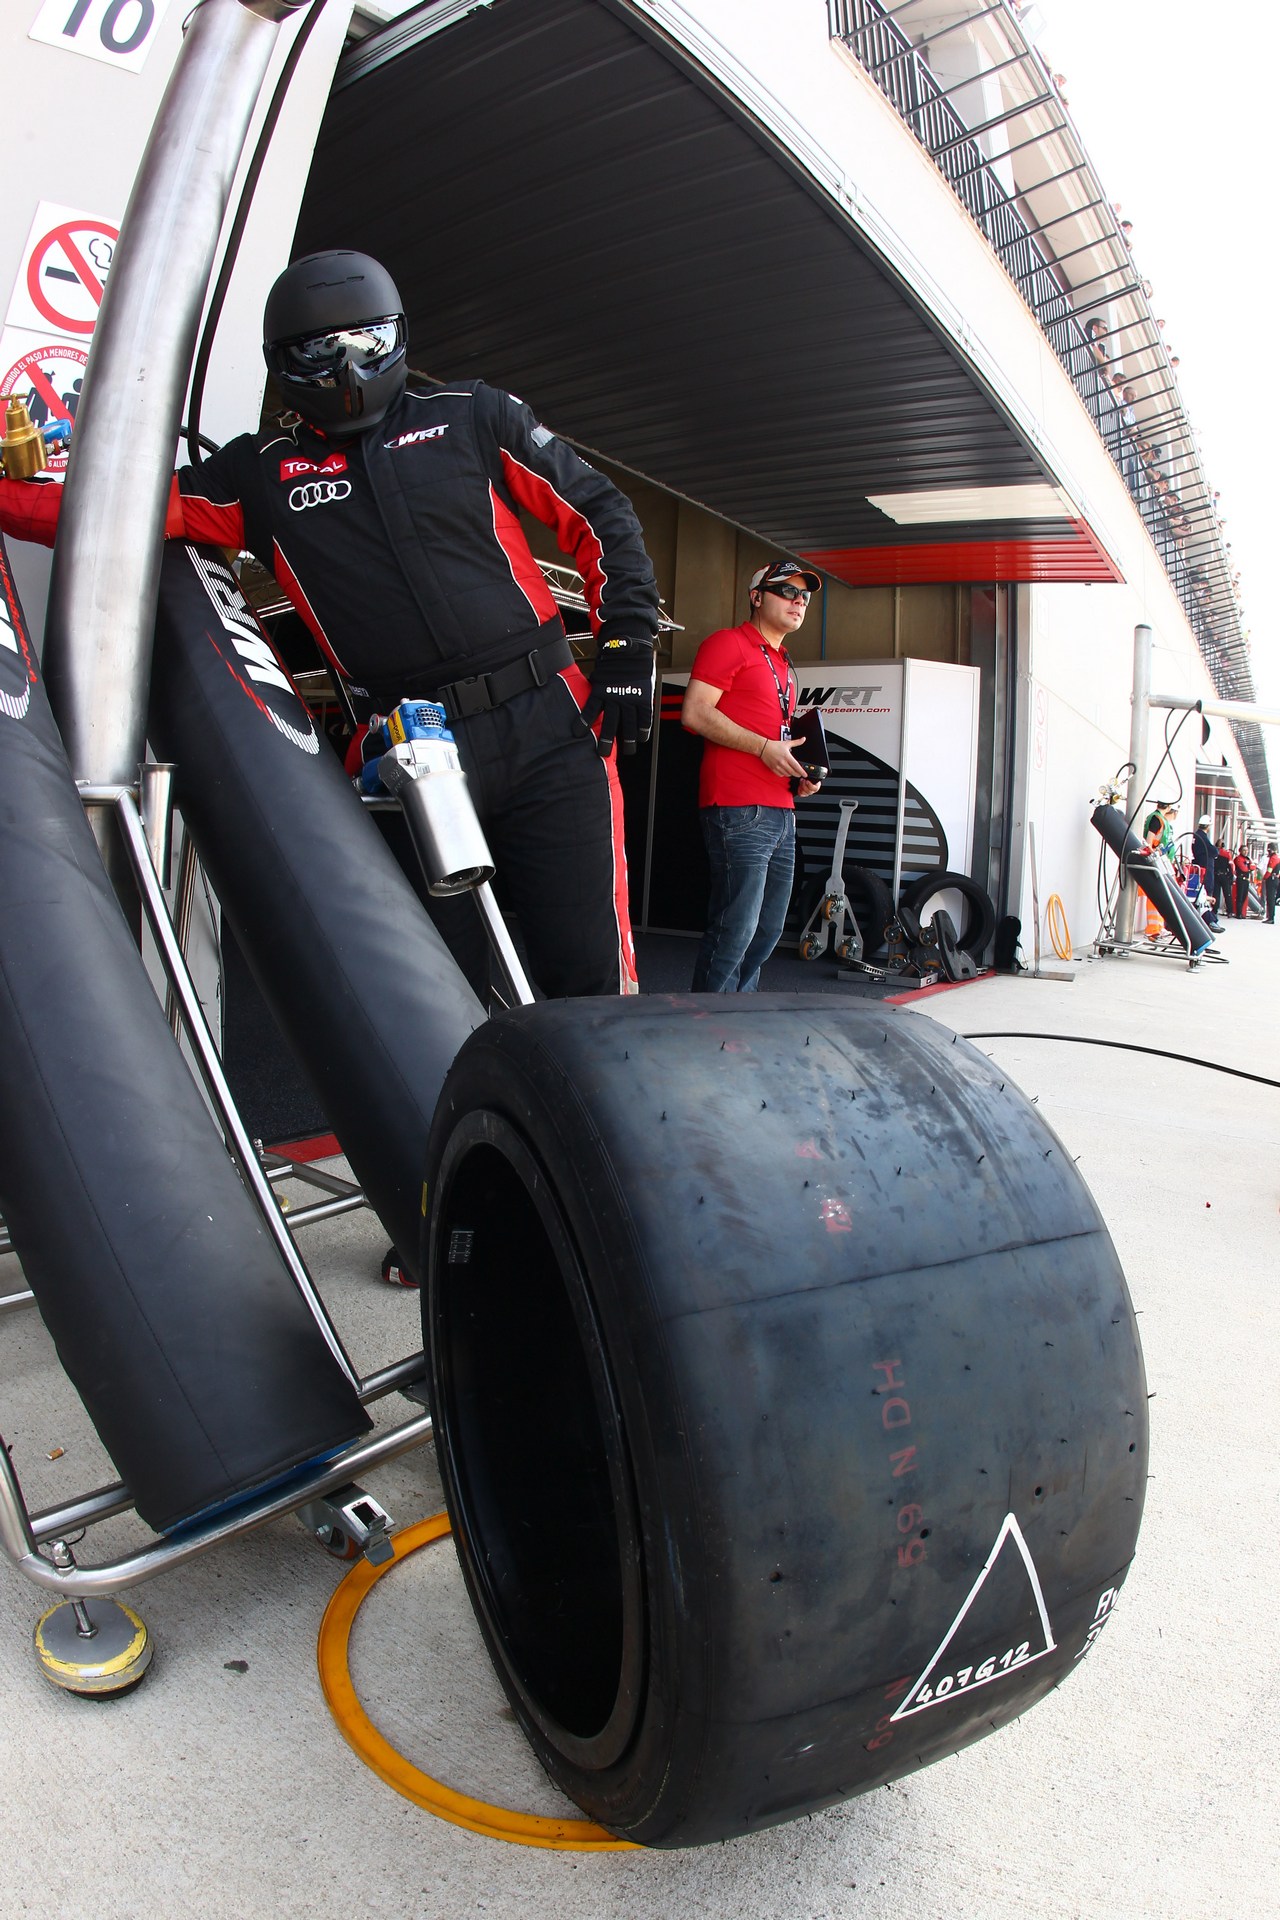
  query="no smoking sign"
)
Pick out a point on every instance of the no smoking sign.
point(64, 271)
point(48, 376)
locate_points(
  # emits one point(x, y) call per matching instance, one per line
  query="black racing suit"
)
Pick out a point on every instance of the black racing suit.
point(402, 550)
point(1206, 858)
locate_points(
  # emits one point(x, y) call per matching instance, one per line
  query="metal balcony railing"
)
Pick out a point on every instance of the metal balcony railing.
point(903, 76)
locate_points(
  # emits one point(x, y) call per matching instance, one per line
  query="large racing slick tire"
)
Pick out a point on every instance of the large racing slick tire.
point(979, 927)
point(788, 1397)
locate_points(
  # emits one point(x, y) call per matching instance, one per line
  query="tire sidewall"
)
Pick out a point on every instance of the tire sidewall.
point(494, 1073)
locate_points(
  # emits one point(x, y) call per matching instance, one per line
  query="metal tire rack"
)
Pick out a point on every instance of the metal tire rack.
point(346, 1520)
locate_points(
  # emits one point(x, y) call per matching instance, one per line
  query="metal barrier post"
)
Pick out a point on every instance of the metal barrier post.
point(1128, 903)
point(102, 596)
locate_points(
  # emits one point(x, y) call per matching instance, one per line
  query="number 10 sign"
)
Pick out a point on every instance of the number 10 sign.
point(118, 31)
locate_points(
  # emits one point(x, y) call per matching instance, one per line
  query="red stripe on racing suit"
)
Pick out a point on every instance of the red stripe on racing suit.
point(287, 579)
point(573, 530)
point(628, 981)
point(525, 571)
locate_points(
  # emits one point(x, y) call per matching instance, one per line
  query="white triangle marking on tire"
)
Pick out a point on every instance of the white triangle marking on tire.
point(1010, 1660)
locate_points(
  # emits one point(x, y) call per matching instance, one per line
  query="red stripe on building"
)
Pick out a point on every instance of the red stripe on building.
point(525, 571)
point(574, 532)
point(1076, 555)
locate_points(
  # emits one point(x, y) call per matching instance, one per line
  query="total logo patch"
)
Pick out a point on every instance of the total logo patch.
point(412, 439)
point(318, 493)
point(297, 465)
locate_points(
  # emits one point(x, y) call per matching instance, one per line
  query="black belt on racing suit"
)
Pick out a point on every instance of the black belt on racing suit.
point(479, 692)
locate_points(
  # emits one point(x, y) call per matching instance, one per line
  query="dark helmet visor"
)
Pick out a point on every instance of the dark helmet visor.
point(320, 359)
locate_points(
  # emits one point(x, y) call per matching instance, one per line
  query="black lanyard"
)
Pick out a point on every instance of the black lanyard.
point(784, 698)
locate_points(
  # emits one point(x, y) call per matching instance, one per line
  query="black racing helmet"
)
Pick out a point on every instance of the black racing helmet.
point(333, 335)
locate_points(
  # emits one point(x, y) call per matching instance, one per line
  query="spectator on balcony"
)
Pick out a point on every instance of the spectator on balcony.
point(1133, 442)
point(1095, 333)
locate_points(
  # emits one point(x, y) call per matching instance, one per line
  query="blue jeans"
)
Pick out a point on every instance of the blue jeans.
point(752, 853)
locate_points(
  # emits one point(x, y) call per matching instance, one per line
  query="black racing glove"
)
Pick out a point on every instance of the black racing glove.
point(622, 692)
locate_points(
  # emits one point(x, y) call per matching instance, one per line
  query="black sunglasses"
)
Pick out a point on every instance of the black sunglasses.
point(791, 593)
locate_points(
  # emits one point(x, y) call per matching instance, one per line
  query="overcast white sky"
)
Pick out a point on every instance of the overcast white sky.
point(1179, 109)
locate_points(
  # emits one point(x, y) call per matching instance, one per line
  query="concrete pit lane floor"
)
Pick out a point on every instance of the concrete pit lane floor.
point(1146, 1786)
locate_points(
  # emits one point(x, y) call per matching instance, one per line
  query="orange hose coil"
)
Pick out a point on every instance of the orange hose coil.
point(358, 1730)
point(1055, 915)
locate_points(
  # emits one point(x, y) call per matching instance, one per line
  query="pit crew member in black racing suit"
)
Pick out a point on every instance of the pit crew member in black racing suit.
point(390, 519)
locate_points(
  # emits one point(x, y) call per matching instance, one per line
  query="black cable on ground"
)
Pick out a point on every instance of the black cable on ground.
point(195, 439)
point(1128, 1046)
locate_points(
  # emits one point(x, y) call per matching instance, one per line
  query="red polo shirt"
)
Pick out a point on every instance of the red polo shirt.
point(754, 679)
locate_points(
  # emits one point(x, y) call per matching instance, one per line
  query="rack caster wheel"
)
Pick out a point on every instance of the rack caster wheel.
point(393, 1270)
point(810, 947)
point(833, 906)
point(99, 1648)
point(349, 1522)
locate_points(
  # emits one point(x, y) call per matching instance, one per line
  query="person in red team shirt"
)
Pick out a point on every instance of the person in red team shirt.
point(741, 698)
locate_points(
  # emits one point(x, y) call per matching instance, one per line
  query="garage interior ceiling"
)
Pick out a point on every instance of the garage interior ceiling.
point(573, 215)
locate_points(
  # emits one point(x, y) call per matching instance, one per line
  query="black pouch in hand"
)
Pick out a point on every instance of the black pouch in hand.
point(808, 744)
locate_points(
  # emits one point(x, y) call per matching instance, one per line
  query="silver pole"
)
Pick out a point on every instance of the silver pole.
point(1127, 906)
point(18, 1540)
point(155, 803)
point(153, 904)
point(514, 976)
point(1228, 709)
point(106, 563)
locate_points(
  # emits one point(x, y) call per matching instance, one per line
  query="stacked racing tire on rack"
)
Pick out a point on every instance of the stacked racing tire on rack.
point(362, 987)
point(788, 1396)
point(172, 1311)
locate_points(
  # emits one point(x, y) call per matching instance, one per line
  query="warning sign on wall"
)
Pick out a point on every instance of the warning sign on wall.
point(64, 271)
point(48, 375)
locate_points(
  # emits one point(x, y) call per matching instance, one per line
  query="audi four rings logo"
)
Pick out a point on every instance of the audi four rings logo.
point(318, 493)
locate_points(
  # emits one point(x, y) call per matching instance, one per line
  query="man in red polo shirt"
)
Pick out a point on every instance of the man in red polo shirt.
point(741, 698)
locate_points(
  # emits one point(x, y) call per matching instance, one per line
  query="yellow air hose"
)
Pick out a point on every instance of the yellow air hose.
point(1055, 915)
point(332, 1658)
